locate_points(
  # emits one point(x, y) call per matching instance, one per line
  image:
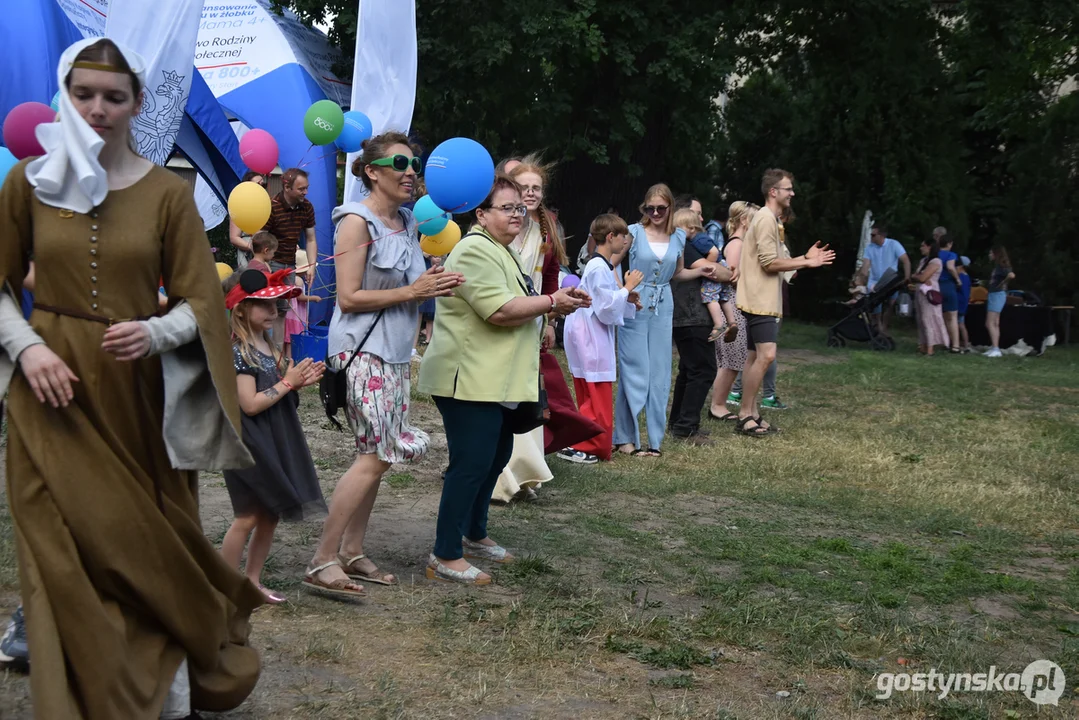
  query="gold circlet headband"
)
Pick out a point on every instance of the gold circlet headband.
point(82, 64)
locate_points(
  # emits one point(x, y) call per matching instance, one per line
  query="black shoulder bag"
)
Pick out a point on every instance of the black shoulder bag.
point(527, 416)
point(333, 387)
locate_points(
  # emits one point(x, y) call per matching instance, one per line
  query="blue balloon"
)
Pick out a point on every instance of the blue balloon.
point(55, 104)
point(459, 175)
point(7, 161)
point(357, 128)
point(430, 217)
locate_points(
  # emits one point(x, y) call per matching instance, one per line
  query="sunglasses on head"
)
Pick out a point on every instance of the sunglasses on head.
point(400, 163)
point(655, 209)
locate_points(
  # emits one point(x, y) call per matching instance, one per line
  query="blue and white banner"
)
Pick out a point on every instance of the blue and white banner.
point(384, 76)
point(164, 33)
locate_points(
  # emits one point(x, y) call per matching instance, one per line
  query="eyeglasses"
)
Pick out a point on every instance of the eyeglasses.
point(521, 210)
point(400, 163)
point(655, 209)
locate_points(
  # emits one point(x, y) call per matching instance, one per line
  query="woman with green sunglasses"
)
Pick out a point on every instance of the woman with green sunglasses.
point(400, 163)
point(381, 281)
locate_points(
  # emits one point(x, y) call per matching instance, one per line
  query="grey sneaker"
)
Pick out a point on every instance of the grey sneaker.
point(13, 646)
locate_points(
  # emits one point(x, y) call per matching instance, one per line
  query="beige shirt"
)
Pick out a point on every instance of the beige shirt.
point(761, 292)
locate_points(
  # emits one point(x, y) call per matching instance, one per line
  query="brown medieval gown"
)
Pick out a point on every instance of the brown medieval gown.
point(119, 583)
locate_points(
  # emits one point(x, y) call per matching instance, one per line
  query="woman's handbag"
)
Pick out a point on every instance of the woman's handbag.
point(528, 416)
point(333, 387)
point(934, 297)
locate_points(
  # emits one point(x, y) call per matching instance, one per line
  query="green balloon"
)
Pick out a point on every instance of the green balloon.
point(323, 122)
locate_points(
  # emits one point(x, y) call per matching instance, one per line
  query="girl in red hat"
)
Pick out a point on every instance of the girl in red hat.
point(283, 483)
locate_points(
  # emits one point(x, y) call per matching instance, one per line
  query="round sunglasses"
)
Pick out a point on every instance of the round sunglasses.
point(655, 209)
point(400, 163)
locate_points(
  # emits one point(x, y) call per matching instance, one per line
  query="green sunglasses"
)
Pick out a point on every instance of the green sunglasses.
point(400, 163)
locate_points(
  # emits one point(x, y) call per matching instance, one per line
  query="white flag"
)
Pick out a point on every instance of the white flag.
point(164, 33)
point(384, 78)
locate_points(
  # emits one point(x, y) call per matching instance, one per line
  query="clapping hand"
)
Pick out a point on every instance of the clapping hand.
point(314, 373)
point(297, 373)
point(584, 297)
point(436, 282)
point(818, 255)
point(633, 279)
point(634, 299)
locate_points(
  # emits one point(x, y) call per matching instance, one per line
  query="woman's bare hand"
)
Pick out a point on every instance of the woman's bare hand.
point(127, 340)
point(436, 282)
point(50, 378)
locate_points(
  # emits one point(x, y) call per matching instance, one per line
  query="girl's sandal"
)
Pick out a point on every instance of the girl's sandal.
point(716, 333)
point(730, 333)
point(374, 576)
point(338, 588)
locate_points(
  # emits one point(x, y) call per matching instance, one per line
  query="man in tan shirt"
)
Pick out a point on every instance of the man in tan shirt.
point(765, 260)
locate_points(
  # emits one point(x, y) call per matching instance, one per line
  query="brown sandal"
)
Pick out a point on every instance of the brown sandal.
point(337, 588)
point(375, 576)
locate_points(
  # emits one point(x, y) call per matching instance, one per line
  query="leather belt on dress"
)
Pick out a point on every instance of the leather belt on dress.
point(80, 315)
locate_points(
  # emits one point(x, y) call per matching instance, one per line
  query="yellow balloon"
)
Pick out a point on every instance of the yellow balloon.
point(443, 242)
point(249, 207)
point(224, 271)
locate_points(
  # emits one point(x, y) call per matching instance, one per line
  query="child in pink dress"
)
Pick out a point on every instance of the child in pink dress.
point(296, 318)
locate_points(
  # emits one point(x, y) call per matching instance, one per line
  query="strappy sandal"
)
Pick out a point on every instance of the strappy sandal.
point(758, 431)
point(375, 576)
point(729, 417)
point(649, 452)
point(337, 588)
point(717, 333)
point(730, 333)
point(437, 571)
point(768, 428)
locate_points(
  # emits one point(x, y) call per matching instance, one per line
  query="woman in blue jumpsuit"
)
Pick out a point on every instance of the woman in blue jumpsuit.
point(644, 343)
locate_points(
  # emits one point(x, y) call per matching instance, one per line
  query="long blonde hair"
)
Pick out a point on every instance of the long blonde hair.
point(552, 241)
point(243, 337)
point(740, 212)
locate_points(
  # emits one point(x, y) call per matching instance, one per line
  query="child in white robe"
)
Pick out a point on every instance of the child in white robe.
point(589, 333)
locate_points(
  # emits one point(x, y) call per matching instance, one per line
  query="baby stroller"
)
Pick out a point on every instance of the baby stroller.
point(856, 326)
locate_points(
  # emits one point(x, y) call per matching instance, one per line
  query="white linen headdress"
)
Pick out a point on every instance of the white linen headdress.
point(69, 175)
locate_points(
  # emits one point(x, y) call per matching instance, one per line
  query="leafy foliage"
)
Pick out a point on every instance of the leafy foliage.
point(929, 113)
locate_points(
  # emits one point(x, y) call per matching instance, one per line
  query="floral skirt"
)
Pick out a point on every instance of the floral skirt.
point(378, 400)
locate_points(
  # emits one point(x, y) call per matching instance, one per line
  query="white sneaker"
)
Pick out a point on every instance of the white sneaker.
point(994, 352)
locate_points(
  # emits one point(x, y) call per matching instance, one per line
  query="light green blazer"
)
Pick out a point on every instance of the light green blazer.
point(470, 358)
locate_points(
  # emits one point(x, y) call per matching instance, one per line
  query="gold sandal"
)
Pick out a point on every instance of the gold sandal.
point(374, 577)
point(337, 588)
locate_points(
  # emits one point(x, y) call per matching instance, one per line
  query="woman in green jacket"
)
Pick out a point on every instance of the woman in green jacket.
point(483, 361)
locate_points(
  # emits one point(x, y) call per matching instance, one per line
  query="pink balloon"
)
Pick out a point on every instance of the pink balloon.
point(259, 151)
point(19, 128)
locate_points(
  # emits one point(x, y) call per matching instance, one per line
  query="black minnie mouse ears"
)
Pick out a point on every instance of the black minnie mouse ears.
point(260, 286)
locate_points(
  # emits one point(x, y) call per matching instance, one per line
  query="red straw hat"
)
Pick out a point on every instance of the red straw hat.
point(260, 286)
